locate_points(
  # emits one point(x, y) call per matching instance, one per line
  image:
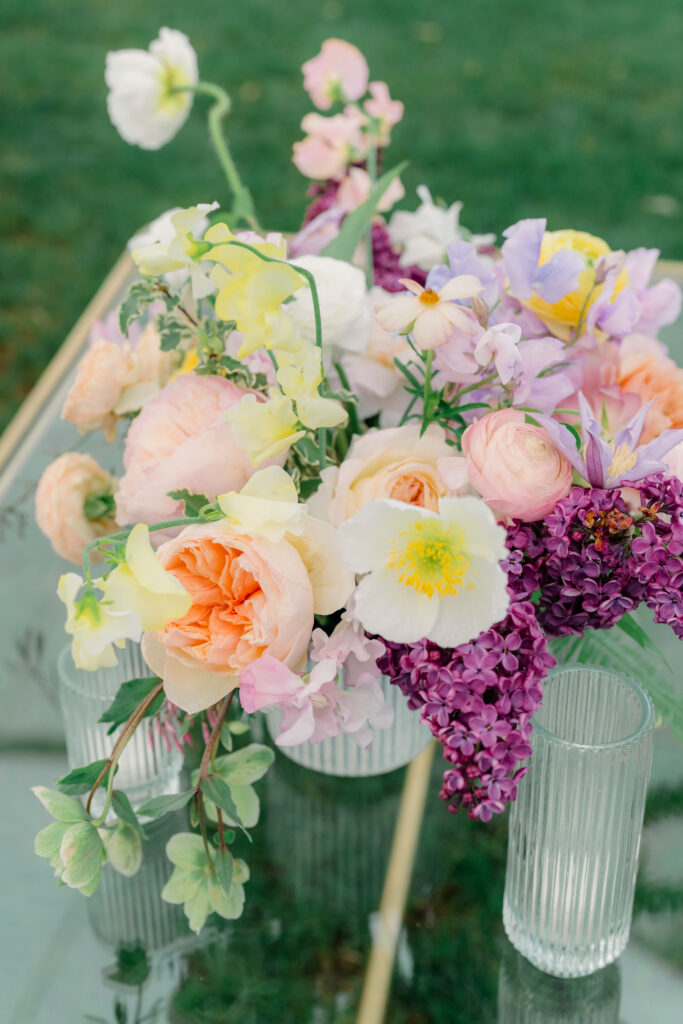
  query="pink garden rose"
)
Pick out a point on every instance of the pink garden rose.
point(181, 440)
point(114, 379)
point(338, 72)
point(250, 597)
point(62, 492)
point(515, 466)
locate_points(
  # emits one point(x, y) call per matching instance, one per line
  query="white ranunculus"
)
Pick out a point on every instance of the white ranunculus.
point(345, 307)
point(424, 234)
point(141, 103)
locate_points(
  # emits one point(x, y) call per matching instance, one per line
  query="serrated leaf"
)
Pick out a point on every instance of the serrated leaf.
point(60, 806)
point(224, 866)
point(246, 765)
point(159, 805)
point(81, 780)
point(129, 695)
point(123, 808)
point(219, 793)
point(357, 223)
point(124, 848)
point(194, 503)
point(82, 851)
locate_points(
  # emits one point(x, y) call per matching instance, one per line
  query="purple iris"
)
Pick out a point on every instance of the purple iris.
point(551, 281)
point(611, 463)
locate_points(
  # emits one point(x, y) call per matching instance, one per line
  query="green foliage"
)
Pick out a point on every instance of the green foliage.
point(123, 808)
point(132, 967)
point(129, 695)
point(233, 776)
point(357, 223)
point(99, 506)
point(159, 805)
point(59, 805)
point(200, 884)
point(173, 328)
point(232, 369)
point(140, 297)
point(220, 794)
point(194, 503)
point(81, 780)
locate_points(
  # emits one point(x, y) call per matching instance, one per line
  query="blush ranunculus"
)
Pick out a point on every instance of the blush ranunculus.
point(250, 597)
point(395, 463)
point(181, 440)
point(61, 495)
point(514, 465)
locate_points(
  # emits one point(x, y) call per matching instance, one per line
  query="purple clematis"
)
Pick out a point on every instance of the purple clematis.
point(521, 254)
point(611, 463)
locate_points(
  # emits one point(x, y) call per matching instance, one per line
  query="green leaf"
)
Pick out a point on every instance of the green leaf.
point(246, 801)
point(357, 223)
point(219, 793)
point(60, 806)
point(130, 694)
point(194, 503)
point(123, 808)
point(99, 506)
point(633, 629)
point(132, 966)
point(223, 865)
point(238, 728)
point(82, 851)
point(226, 736)
point(81, 780)
point(140, 295)
point(159, 805)
point(246, 765)
point(124, 848)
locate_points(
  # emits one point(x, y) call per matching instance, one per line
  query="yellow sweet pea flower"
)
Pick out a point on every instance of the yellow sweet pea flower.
point(95, 628)
point(264, 429)
point(299, 375)
point(563, 317)
point(249, 289)
point(268, 504)
point(142, 585)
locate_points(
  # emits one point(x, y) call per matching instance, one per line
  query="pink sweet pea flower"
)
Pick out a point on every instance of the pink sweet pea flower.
point(339, 72)
point(433, 314)
point(355, 189)
point(330, 144)
point(384, 110)
point(500, 345)
point(309, 709)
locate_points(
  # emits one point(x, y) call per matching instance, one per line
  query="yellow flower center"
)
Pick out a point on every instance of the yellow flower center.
point(429, 297)
point(431, 557)
point(623, 459)
point(173, 77)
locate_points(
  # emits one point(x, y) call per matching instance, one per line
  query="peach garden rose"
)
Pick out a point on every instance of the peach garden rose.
point(515, 466)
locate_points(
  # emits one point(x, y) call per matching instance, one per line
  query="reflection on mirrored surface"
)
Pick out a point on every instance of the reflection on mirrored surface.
point(527, 996)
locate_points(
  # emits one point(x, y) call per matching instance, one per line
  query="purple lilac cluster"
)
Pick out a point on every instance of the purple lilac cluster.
point(578, 563)
point(478, 700)
point(658, 551)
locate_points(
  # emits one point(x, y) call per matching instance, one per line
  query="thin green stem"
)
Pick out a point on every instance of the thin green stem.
point(475, 387)
point(212, 743)
point(199, 801)
point(427, 392)
point(351, 411)
point(124, 534)
point(244, 205)
point(129, 728)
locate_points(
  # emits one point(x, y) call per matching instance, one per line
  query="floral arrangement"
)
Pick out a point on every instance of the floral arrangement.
point(384, 447)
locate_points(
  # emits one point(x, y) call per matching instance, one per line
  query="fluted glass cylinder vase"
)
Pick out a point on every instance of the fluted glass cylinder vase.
point(575, 826)
point(340, 755)
point(150, 764)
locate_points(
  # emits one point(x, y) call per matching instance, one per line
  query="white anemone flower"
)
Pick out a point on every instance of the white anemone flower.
point(427, 575)
point(176, 252)
point(141, 102)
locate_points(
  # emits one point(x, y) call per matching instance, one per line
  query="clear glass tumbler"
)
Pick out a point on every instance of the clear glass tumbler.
point(149, 765)
point(575, 826)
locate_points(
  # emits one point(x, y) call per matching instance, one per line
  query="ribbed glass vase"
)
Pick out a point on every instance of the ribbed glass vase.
point(149, 765)
point(339, 755)
point(575, 826)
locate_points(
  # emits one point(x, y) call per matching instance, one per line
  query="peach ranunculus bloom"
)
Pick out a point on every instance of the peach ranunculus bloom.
point(646, 370)
point(394, 463)
point(251, 596)
point(181, 439)
point(112, 380)
point(514, 466)
point(338, 72)
point(64, 488)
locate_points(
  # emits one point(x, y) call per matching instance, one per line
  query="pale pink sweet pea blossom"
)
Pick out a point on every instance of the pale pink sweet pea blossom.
point(356, 186)
point(181, 439)
point(433, 315)
point(338, 72)
point(515, 466)
point(331, 143)
point(62, 492)
point(499, 344)
point(309, 709)
point(385, 111)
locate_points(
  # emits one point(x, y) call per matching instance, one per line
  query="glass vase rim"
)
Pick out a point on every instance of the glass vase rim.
point(643, 697)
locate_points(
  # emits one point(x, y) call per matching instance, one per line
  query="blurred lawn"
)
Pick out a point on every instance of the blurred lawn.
point(569, 108)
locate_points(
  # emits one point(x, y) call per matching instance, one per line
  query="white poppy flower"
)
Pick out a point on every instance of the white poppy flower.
point(427, 575)
point(141, 102)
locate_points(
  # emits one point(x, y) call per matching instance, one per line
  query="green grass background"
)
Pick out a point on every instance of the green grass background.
point(570, 109)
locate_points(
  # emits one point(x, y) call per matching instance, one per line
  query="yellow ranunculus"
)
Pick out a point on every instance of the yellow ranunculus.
point(142, 585)
point(264, 429)
point(95, 628)
point(563, 317)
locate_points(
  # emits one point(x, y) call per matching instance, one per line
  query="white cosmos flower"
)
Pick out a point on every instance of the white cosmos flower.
point(427, 575)
point(176, 252)
point(141, 103)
